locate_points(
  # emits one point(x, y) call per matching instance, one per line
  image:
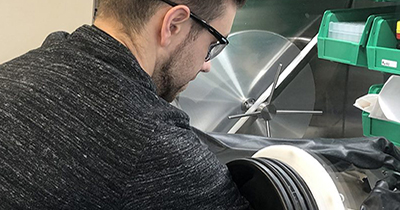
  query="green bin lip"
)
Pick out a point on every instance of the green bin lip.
point(389, 130)
point(352, 59)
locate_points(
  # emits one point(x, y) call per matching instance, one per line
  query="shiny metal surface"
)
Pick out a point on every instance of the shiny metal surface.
point(244, 70)
point(280, 81)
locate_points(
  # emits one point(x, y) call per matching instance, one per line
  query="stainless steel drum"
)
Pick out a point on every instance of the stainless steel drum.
point(243, 71)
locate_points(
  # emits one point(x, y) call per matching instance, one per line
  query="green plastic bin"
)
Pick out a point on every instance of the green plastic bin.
point(375, 127)
point(345, 51)
point(381, 48)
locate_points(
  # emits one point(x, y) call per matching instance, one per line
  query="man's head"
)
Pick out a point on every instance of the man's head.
point(134, 14)
point(172, 39)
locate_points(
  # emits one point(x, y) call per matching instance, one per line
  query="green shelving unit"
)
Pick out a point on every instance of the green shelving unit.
point(376, 50)
point(375, 127)
point(347, 52)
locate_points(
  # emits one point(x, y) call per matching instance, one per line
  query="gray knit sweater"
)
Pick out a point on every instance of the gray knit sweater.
point(81, 127)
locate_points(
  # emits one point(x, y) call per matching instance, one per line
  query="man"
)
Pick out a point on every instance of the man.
point(85, 121)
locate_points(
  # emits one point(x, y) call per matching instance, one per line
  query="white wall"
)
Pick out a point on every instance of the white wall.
point(24, 24)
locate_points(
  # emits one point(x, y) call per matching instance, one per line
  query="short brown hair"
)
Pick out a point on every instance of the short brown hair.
point(134, 14)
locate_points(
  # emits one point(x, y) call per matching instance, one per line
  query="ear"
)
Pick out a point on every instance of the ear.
point(173, 23)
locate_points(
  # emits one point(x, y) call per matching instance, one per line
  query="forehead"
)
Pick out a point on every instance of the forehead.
point(224, 22)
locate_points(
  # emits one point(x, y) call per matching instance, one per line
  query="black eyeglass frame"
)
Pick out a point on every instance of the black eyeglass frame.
point(221, 39)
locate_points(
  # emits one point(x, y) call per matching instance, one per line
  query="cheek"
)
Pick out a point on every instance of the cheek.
point(200, 57)
point(202, 47)
point(191, 67)
point(193, 62)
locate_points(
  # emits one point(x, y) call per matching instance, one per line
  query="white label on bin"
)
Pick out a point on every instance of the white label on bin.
point(389, 63)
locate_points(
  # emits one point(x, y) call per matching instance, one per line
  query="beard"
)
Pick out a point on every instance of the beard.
point(164, 76)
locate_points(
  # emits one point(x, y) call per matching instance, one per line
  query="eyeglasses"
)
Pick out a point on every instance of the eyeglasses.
point(216, 47)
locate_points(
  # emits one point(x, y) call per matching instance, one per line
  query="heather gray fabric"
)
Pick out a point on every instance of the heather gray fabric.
point(81, 127)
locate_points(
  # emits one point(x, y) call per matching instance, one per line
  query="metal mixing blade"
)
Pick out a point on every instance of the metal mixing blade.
point(242, 72)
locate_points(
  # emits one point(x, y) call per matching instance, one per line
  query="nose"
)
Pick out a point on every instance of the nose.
point(206, 67)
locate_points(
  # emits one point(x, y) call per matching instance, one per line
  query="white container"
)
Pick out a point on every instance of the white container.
point(346, 31)
point(389, 99)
